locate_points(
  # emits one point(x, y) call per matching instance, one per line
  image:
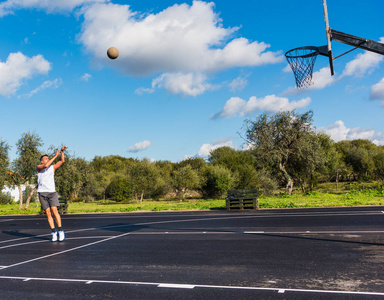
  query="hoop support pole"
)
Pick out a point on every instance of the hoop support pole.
point(328, 32)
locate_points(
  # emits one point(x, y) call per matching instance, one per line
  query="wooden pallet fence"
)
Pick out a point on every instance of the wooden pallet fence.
point(242, 199)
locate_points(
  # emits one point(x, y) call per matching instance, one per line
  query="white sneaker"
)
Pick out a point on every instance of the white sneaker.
point(54, 236)
point(61, 236)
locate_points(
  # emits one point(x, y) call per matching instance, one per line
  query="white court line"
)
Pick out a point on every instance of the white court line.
point(191, 286)
point(360, 232)
point(177, 286)
point(192, 220)
point(202, 219)
point(65, 251)
point(49, 241)
point(8, 220)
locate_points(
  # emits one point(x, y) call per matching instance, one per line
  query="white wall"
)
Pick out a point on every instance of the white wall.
point(14, 191)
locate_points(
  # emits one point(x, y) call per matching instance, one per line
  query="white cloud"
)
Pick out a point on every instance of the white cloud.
point(18, 68)
point(238, 83)
point(339, 132)
point(54, 84)
point(184, 84)
point(51, 6)
point(140, 146)
point(287, 69)
point(320, 80)
point(377, 91)
point(363, 63)
point(205, 149)
point(271, 103)
point(86, 77)
point(181, 38)
point(140, 91)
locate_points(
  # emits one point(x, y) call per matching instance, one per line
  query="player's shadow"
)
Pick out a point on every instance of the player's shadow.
point(121, 227)
point(318, 239)
point(19, 234)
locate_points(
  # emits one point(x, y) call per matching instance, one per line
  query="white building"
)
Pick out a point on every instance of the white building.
point(14, 190)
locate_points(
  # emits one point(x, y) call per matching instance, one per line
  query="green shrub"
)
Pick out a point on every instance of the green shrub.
point(5, 198)
point(119, 189)
point(218, 181)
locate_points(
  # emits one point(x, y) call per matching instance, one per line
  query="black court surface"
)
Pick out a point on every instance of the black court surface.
point(268, 254)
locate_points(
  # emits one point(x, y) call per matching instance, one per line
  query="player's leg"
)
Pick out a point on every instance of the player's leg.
point(58, 222)
point(57, 215)
point(48, 212)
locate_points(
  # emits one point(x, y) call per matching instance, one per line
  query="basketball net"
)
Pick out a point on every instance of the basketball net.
point(301, 61)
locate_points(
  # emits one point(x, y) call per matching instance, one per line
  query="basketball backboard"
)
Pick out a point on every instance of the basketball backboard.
point(302, 59)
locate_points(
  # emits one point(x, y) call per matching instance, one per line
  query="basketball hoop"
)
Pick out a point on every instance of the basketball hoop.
point(301, 61)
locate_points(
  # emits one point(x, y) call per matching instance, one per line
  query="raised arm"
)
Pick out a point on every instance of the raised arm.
point(47, 162)
point(59, 163)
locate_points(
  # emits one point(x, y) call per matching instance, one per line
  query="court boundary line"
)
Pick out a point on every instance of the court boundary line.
point(61, 252)
point(206, 219)
point(308, 232)
point(191, 286)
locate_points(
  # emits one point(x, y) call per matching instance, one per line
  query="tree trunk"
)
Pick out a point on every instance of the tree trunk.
point(20, 197)
point(30, 197)
point(302, 183)
point(141, 198)
point(289, 186)
point(337, 178)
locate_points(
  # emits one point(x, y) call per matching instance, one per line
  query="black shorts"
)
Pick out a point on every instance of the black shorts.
point(48, 200)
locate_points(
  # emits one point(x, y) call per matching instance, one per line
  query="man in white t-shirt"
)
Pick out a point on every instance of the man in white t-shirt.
point(47, 191)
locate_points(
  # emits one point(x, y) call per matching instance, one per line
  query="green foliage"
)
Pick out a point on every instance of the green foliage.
point(281, 139)
point(74, 178)
point(218, 179)
point(4, 161)
point(146, 180)
point(29, 156)
point(196, 163)
point(28, 191)
point(363, 157)
point(184, 179)
point(267, 184)
point(119, 189)
point(5, 198)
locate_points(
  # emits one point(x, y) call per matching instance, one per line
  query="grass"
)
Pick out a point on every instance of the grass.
point(327, 195)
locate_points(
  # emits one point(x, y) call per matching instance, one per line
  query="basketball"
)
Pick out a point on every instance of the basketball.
point(113, 53)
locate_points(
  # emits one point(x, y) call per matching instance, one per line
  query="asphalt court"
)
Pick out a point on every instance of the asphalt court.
point(325, 253)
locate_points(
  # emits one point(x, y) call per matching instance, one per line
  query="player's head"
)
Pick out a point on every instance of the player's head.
point(44, 158)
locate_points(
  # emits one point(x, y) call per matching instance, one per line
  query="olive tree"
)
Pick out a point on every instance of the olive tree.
point(4, 161)
point(281, 138)
point(24, 167)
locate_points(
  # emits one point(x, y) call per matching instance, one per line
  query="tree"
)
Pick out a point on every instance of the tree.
point(359, 155)
point(280, 138)
point(104, 170)
point(379, 162)
point(145, 179)
point(24, 167)
point(240, 162)
point(119, 189)
point(185, 179)
point(4, 161)
point(218, 180)
point(73, 177)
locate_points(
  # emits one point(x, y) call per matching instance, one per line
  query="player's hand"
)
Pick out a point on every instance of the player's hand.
point(57, 153)
point(64, 148)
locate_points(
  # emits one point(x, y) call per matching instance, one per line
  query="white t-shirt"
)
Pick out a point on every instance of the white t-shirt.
point(46, 180)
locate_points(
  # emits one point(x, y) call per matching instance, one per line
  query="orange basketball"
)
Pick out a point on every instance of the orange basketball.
point(113, 53)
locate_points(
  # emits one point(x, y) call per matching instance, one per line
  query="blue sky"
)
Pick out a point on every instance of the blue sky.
point(188, 75)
